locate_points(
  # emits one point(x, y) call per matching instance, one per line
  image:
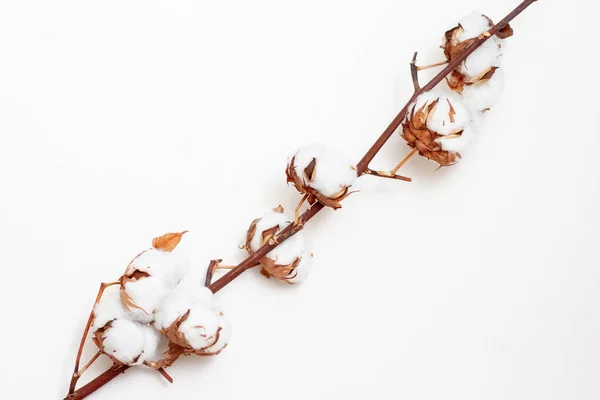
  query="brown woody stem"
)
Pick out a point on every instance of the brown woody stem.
point(166, 376)
point(388, 175)
point(401, 164)
point(97, 383)
point(76, 372)
point(210, 271)
point(414, 72)
point(422, 67)
point(292, 229)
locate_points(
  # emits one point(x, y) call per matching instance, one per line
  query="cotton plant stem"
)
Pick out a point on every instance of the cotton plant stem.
point(76, 372)
point(363, 164)
point(292, 229)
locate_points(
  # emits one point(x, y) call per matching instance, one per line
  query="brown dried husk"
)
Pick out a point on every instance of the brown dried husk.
point(270, 268)
point(453, 48)
point(167, 242)
point(418, 136)
point(313, 195)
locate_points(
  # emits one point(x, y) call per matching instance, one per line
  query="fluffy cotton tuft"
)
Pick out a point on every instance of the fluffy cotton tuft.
point(322, 173)
point(484, 95)
point(288, 261)
point(122, 338)
point(187, 318)
point(148, 279)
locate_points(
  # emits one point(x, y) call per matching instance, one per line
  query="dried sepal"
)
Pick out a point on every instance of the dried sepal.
point(168, 241)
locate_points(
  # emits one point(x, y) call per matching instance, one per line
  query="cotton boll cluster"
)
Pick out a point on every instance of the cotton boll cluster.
point(188, 319)
point(438, 127)
point(150, 276)
point(159, 298)
point(322, 174)
point(289, 261)
point(122, 338)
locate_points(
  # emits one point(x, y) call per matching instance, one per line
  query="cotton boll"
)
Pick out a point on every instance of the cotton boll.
point(484, 95)
point(272, 219)
point(438, 127)
point(123, 339)
point(179, 301)
point(224, 335)
point(482, 59)
point(106, 311)
point(284, 260)
point(187, 318)
point(479, 65)
point(151, 275)
point(200, 327)
point(322, 173)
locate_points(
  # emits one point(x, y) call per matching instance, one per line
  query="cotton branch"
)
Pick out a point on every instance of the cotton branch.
point(362, 169)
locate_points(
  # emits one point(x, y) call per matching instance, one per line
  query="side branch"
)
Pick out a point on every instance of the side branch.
point(97, 383)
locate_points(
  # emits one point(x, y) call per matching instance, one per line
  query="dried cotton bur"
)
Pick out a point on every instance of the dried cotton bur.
point(161, 302)
point(321, 174)
point(289, 261)
point(193, 326)
point(479, 79)
point(438, 127)
point(123, 339)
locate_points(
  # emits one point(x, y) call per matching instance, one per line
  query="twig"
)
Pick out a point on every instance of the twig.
point(362, 166)
point(210, 271)
point(414, 72)
point(76, 372)
point(389, 175)
point(401, 164)
point(97, 383)
point(422, 67)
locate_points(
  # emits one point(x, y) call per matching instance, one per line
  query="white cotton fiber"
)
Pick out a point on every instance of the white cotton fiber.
point(164, 270)
point(333, 171)
point(190, 302)
point(455, 143)
point(108, 310)
point(484, 95)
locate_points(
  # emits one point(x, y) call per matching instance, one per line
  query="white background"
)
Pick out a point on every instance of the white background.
point(123, 120)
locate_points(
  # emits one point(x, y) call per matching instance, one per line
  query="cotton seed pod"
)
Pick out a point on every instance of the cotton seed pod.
point(321, 173)
point(124, 340)
point(187, 318)
point(151, 275)
point(482, 64)
point(438, 127)
point(289, 261)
